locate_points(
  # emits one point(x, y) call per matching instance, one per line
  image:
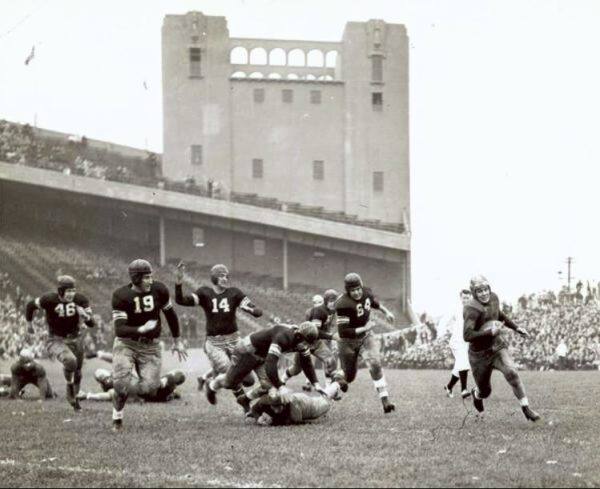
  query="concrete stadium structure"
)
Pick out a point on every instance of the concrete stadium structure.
point(319, 123)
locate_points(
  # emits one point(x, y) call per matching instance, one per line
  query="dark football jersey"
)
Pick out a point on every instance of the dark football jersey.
point(283, 338)
point(220, 309)
point(164, 393)
point(353, 314)
point(321, 316)
point(29, 372)
point(137, 308)
point(478, 314)
point(62, 317)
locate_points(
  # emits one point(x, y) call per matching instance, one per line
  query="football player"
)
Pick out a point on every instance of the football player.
point(64, 309)
point(294, 408)
point(460, 351)
point(353, 310)
point(321, 316)
point(166, 391)
point(220, 303)
point(136, 316)
point(26, 371)
point(488, 350)
point(260, 352)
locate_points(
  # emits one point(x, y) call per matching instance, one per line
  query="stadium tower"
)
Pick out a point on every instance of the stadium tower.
point(317, 123)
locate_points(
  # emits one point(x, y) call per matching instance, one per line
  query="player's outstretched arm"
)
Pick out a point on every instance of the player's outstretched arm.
point(247, 306)
point(180, 297)
point(389, 315)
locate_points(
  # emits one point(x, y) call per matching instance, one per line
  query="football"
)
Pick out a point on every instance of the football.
point(497, 325)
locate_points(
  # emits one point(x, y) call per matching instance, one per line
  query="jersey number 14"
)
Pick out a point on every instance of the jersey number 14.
point(223, 305)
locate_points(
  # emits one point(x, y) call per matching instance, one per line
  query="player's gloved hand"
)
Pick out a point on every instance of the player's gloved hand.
point(523, 332)
point(179, 347)
point(83, 314)
point(390, 317)
point(179, 273)
point(284, 394)
point(149, 326)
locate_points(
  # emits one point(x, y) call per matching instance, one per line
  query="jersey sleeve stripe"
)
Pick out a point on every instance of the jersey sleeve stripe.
point(275, 350)
point(37, 303)
point(168, 305)
point(196, 298)
point(119, 315)
point(343, 319)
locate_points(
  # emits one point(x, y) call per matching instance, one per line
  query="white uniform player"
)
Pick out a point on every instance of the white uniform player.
point(460, 350)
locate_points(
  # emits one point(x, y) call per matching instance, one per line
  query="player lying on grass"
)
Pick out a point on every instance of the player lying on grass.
point(279, 407)
point(166, 392)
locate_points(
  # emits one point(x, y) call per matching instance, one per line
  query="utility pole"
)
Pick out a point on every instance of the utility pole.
point(569, 262)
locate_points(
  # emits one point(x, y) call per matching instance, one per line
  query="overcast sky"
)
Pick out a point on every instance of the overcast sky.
point(504, 114)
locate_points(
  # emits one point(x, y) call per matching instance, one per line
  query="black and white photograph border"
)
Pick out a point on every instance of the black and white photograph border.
point(256, 243)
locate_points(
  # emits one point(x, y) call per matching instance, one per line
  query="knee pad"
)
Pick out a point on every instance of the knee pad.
point(69, 362)
point(484, 393)
point(375, 370)
point(248, 380)
point(121, 387)
point(339, 377)
point(511, 376)
point(147, 389)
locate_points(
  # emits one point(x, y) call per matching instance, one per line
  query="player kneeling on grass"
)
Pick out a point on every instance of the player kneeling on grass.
point(26, 371)
point(488, 350)
point(165, 392)
point(279, 408)
point(260, 352)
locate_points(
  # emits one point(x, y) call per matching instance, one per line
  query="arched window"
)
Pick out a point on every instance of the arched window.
point(326, 78)
point(239, 56)
point(275, 76)
point(293, 76)
point(256, 74)
point(238, 74)
point(296, 57)
point(258, 56)
point(315, 58)
point(277, 57)
point(331, 59)
point(311, 77)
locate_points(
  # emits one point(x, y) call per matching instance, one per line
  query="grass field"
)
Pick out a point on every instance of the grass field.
point(429, 441)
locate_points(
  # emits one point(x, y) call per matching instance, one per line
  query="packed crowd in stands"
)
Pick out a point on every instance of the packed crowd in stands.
point(72, 155)
point(564, 334)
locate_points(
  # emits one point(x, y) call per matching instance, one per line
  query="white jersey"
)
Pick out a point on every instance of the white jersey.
point(456, 330)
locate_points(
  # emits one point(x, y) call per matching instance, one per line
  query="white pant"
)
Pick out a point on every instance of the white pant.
point(460, 351)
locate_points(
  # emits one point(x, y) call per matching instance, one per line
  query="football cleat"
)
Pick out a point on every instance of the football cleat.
point(117, 425)
point(448, 392)
point(201, 382)
point(211, 395)
point(464, 394)
point(388, 406)
point(530, 414)
point(243, 401)
point(478, 403)
point(71, 398)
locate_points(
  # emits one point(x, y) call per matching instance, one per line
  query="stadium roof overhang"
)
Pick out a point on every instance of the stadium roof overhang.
point(220, 213)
